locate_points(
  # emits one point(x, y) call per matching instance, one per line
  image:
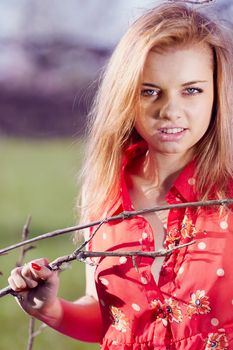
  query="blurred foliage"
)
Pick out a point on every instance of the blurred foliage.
point(38, 178)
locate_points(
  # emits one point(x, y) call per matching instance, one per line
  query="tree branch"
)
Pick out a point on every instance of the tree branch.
point(123, 216)
point(82, 255)
point(23, 250)
point(31, 333)
point(22, 254)
point(39, 331)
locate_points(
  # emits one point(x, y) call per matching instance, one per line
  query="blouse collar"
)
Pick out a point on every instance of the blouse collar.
point(182, 190)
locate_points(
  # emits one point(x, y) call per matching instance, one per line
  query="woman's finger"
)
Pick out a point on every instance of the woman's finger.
point(17, 283)
point(28, 277)
point(40, 271)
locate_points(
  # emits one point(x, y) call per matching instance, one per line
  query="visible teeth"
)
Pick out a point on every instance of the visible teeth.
point(172, 131)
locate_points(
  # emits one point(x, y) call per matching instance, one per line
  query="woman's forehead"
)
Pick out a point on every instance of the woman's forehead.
point(183, 64)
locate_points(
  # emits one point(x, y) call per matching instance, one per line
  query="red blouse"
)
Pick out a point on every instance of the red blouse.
point(191, 306)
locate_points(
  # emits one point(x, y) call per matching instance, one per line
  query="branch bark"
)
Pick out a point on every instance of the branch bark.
point(24, 250)
point(31, 328)
point(81, 255)
point(123, 216)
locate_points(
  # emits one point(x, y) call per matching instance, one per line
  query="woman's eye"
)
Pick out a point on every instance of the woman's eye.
point(193, 91)
point(149, 92)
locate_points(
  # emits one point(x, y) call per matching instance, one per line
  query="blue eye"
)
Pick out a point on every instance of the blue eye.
point(193, 91)
point(149, 92)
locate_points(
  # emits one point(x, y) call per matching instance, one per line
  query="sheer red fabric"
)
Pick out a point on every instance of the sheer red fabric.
point(191, 306)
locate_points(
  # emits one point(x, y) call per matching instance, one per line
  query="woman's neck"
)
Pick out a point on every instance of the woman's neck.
point(162, 169)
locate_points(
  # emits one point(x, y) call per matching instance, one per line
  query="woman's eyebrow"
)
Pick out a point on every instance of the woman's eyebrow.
point(194, 82)
point(184, 84)
point(150, 85)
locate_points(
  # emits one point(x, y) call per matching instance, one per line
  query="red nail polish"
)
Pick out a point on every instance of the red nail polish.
point(35, 266)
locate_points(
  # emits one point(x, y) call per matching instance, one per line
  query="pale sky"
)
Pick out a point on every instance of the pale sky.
point(96, 21)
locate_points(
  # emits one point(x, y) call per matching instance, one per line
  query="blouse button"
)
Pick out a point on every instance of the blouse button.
point(191, 181)
point(144, 280)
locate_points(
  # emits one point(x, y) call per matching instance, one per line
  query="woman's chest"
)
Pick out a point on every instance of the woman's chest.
point(205, 264)
point(194, 293)
point(148, 197)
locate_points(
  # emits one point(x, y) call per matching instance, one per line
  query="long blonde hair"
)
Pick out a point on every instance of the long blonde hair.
point(117, 105)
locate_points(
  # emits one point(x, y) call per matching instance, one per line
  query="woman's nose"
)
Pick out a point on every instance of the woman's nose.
point(170, 108)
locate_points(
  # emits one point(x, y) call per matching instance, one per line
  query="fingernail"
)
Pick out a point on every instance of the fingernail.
point(35, 266)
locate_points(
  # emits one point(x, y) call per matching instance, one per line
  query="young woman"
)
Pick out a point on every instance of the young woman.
point(160, 133)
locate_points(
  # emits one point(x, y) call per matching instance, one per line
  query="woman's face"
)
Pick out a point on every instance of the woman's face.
point(177, 96)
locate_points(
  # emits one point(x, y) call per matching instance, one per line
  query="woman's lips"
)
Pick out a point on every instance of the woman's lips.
point(171, 134)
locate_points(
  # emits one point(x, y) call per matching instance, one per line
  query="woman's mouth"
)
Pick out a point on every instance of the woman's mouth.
point(171, 130)
point(171, 134)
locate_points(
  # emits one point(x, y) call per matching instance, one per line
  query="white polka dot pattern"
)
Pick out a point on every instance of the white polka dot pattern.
point(222, 330)
point(144, 235)
point(104, 281)
point(181, 270)
point(201, 245)
point(223, 225)
point(214, 322)
point(123, 259)
point(220, 272)
point(136, 307)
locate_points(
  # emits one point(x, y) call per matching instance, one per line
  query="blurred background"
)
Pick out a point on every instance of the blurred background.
point(51, 55)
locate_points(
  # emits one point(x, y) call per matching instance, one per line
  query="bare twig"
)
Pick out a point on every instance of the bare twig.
point(82, 255)
point(124, 215)
point(24, 250)
point(31, 333)
point(40, 329)
point(22, 254)
point(91, 236)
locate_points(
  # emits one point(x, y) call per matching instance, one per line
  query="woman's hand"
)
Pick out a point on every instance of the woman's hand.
point(36, 286)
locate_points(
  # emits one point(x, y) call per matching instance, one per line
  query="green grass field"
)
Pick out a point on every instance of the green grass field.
point(38, 178)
